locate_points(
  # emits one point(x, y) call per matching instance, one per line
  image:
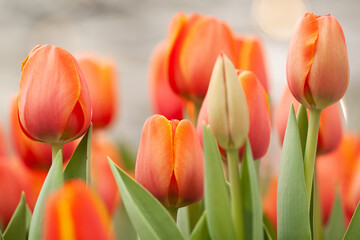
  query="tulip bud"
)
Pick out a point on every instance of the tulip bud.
point(76, 212)
point(330, 127)
point(227, 107)
point(101, 78)
point(170, 161)
point(53, 102)
point(317, 67)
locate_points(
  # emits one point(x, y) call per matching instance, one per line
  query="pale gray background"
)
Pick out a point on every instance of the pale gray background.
point(128, 31)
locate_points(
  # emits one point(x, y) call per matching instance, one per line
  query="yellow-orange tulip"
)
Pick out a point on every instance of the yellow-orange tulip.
point(170, 161)
point(101, 77)
point(317, 67)
point(53, 102)
point(76, 212)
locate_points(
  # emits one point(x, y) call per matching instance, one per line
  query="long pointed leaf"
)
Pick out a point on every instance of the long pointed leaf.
point(183, 221)
point(353, 230)
point(79, 163)
point(336, 226)
point(200, 231)
point(16, 228)
point(251, 197)
point(292, 210)
point(302, 120)
point(217, 199)
point(53, 181)
point(149, 218)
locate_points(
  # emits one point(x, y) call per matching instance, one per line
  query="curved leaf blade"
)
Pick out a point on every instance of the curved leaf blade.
point(16, 228)
point(149, 218)
point(200, 231)
point(353, 230)
point(336, 225)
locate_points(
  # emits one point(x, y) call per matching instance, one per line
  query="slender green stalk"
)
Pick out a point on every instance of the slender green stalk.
point(233, 160)
point(194, 213)
point(310, 151)
point(55, 149)
point(173, 212)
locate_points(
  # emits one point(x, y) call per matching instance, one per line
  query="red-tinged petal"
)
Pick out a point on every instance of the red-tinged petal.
point(331, 54)
point(50, 73)
point(154, 164)
point(300, 57)
point(189, 164)
point(164, 100)
point(52, 225)
point(269, 201)
point(257, 101)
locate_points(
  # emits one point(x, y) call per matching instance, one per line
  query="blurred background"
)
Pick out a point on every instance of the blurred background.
point(128, 30)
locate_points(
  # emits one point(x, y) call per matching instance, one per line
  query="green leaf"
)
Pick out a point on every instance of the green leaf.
point(123, 227)
point(128, 157)
point(201, 231)
point(336, 225)
point(183, 221)
point(149, 218)
point(53, 181)
point(353, 230)
point(1, 236)
point(217, 199)
point(302, 119)
point(292, 208)
point(253, 217)
point(269, 231)
point(16, 229)
point(317, 213)
point(79, 163)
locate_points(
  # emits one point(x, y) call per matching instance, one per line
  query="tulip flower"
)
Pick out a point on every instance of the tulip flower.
point(53, 102)
point(170, 161)
point(259, 115)
point(251, 56)
point(269, 201)
point(317, 67)
point(101, 78)
point(195, 42)
point(330, 127)
point(101, 175)
point(164, 100)
point(76, 212)
point(34, 154)
point(3, 143)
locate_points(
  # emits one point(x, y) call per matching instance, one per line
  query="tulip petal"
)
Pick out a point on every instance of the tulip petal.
point(300, 57)
point(154, 164)
point(189, 164)
point(49, 72)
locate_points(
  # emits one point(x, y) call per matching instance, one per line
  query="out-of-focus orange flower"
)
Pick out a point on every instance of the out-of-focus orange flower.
point(269, 201)
point(53, 102)
point(164, 100)
point(251, 56)
point(3, 143)
point(317, 67)
point(101, 77)
point(76, 212)
point(259, 115)
point(195, 42)
point(330, 129)
point(170, 161)
point(101, 175)
point(34, 154)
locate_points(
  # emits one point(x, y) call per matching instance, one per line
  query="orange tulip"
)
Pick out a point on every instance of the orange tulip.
point(269, 201)
point(101, 78)
point(76, 212)
point(317, 67)
point(170, 161)
point(251, 56)
point(34, 154)
point(3, 143)
point(330, 129)
point(195, 42)
point(163, 99)
point(101, 175)
point(259, 114)
point(53, 102)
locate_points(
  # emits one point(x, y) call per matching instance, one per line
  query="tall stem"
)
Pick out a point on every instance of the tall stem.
point(310, 151)
point(55, 149)
point(233, 160)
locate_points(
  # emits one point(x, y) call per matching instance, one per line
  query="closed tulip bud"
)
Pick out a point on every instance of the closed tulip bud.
point(101, 77)
point(76, 212)
point(170, 161)
point(227, 108)
point(34, 154)
point(195, 41)
point(330, 128)
point(317, 67)
point(53, 102)
point(164, 100)
point(251, 56)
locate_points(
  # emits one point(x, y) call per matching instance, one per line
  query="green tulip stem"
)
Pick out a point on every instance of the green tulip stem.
point(173, 212)
point(233, 160)
point(55, 149)
point(310, 151)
